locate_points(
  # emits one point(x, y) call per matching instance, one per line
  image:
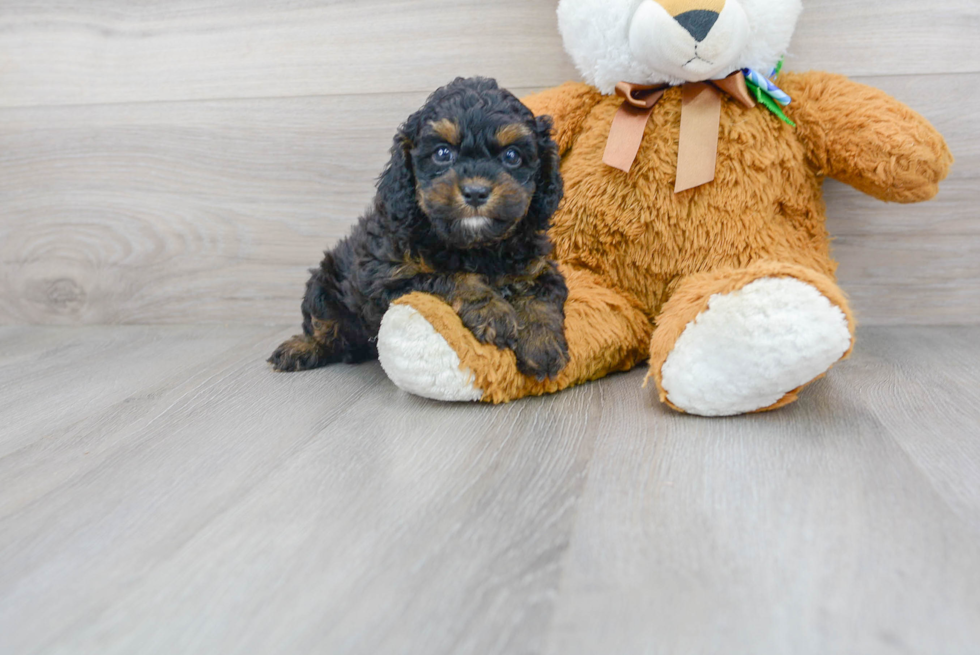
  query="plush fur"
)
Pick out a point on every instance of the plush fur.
point(461, 212)
point(647, 268)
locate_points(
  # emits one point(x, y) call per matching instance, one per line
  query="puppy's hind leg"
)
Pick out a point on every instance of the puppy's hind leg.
point(331, 332)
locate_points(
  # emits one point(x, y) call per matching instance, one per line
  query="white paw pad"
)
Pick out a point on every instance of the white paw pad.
point(753, 346)
point(420, 361)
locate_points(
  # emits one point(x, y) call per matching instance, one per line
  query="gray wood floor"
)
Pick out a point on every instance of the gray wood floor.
point(161, 491)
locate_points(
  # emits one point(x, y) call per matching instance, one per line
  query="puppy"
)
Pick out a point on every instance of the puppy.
point(461, 212)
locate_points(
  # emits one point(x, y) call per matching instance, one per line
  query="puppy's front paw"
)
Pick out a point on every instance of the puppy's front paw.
point(491, 322)
point(297, 354)
point(541, 353)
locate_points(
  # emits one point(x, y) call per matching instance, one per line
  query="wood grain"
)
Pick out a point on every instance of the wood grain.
point(229, 201)
point(923, 280)
point(130, 194)
point(909, 374)
point(209, 505)
point(105, 52)
point(248, 486)
point(212, 211)
point(62, 53)
point(812, 530)
point(861, 37)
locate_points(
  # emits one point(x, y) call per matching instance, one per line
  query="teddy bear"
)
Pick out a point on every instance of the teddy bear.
point(693, 233)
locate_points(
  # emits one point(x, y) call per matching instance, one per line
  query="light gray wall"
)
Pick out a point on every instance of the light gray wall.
point(186, 162)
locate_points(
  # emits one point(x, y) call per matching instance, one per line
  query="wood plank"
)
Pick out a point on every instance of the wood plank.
point(910, 375)
point(921, 280)
point(222, 504)
point(810, 530)
point(133, 208)
point(43, 390)
point(212, 211)
point(865, 37)
point(100, 52)
point(177, 51)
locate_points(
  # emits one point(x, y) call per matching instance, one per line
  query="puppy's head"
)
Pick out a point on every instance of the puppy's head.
point(476, 164)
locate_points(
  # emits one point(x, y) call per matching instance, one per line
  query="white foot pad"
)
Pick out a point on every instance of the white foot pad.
point(753, 346)
point(419, 360)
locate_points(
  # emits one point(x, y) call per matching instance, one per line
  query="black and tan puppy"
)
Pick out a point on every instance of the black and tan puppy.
point(461, 212)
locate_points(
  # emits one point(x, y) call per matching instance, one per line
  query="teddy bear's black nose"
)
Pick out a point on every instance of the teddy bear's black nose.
point(698, 22)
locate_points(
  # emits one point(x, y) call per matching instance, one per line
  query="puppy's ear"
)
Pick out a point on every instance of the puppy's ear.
point(396, 186)
point(549, 184)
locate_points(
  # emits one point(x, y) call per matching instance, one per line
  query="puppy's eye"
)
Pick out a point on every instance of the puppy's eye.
point(444, 155)
point(512, 158)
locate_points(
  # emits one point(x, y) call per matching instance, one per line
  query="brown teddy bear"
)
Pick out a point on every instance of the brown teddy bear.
point(693, 230)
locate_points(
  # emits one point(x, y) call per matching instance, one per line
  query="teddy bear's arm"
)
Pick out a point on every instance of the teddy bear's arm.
point(568, 105)
point(866, 138)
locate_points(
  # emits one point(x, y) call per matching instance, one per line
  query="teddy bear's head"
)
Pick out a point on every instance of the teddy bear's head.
point(674, 41)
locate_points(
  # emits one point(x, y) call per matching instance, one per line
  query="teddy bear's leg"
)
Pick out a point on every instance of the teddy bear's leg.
point(744, 340)
point(425, 349)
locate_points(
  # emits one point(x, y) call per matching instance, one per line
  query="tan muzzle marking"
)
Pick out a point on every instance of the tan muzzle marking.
point(677, 7)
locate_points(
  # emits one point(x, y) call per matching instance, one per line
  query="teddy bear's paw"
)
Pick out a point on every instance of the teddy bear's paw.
point(753, 346)
point(419, 360)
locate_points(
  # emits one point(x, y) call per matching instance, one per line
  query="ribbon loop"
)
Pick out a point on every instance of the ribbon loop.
point(700, 120)
point(640, 96)
point(626, 133)
point(735, 86)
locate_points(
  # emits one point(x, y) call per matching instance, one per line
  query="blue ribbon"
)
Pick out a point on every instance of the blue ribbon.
point(766, 85)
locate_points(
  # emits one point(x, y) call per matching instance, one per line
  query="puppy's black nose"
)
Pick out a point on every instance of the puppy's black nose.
point(476, 195)
point(698, 22)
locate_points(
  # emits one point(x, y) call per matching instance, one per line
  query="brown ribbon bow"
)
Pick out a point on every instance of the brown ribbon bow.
point(700, 119)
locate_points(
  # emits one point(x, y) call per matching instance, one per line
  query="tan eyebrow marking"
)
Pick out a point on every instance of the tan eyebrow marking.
point(447, 129)
point(508, 134)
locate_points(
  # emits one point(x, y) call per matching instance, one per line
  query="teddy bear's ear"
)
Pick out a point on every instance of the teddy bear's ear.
point(549, 184)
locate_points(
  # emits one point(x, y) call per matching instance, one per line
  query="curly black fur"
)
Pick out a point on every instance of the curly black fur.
point(461, 212)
